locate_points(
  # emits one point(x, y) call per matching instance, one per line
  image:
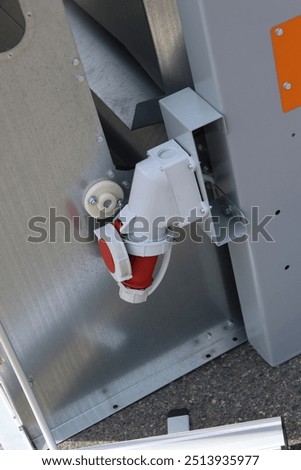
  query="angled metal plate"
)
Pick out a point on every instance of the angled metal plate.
point(184, 113)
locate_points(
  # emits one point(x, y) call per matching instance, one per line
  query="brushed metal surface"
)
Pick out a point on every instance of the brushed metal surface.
point(258, 162)
point(151, 31)
point(113, 74)
point(86, 352)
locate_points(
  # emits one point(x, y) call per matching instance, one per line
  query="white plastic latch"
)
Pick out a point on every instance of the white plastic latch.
point(116, 257)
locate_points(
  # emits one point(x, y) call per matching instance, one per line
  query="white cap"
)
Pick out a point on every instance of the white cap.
point(133, 296)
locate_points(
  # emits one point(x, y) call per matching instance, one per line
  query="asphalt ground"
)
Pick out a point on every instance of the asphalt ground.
point(235, 387)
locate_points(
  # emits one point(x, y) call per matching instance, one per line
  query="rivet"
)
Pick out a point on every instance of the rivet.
point(111, 174)
point(287, 85)
point(279, 31)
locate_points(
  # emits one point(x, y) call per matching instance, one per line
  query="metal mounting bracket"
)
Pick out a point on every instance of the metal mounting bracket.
point(184, 113)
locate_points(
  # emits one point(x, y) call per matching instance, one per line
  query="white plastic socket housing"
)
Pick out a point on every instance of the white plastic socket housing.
point(164, 189)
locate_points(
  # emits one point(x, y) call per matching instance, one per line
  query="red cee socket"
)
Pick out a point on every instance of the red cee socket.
point(142, 271)
point(142, 267)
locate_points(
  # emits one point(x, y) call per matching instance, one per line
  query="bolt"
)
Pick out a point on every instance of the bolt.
point(30, 381)
point(92, 201)
point(203, 210)
point(279, 31)
point(75, 61)
point(100, 139)
point(120, 203)
point(287, 85)
point(190, 166)
point(126, 184)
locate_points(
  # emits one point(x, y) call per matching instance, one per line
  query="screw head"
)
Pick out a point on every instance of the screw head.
point(92, 200)
point(80, 78)
point(279, 31)
point(287, 85)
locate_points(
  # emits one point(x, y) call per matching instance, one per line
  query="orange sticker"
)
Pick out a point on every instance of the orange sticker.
point(286, 40)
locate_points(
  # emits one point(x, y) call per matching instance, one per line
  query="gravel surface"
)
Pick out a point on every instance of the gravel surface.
point(238, 386)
